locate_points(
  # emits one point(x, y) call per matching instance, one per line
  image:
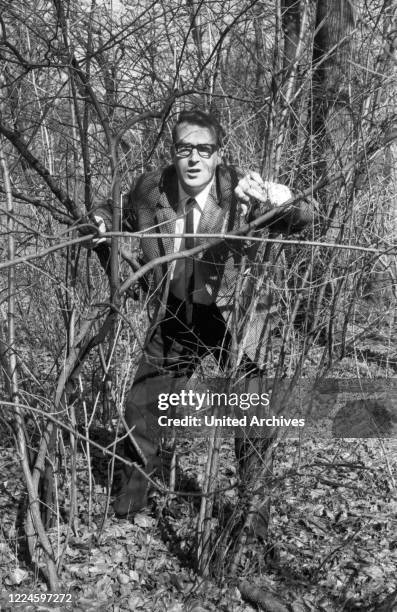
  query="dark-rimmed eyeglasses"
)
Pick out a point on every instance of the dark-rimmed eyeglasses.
point(184, 149)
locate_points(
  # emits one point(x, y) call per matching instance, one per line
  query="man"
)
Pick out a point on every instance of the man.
point(197, 194)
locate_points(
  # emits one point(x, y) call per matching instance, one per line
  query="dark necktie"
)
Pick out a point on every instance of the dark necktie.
point(189, 262)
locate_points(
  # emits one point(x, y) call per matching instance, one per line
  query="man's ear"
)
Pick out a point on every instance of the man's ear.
point(220, 156)
point(172, 151)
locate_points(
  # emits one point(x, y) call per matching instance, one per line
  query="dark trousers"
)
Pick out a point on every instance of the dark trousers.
point(173, 349)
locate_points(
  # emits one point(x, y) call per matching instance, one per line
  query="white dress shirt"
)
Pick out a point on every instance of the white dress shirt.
point(177, 284)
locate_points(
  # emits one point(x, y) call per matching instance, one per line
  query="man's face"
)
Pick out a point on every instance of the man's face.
point(195, 172)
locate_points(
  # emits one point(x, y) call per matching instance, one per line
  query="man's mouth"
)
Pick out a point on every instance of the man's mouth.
point(192, 173)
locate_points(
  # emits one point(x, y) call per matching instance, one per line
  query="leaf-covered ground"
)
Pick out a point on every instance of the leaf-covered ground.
point(334, 524)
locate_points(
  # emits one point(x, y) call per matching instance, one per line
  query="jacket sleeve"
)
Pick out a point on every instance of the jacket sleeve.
point(130, 200)
point(140, 204)
point(290, 219)
point(105, 211)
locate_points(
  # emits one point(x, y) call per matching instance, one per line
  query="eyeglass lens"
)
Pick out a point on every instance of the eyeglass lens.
point(186, 149)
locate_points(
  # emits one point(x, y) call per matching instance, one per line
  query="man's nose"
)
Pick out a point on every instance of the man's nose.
point(194, 156)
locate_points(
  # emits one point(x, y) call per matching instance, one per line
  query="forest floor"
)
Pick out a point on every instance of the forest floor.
point(332, 537)
point(334, 519)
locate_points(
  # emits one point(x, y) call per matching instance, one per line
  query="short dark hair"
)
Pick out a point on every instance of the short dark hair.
point(201, 118)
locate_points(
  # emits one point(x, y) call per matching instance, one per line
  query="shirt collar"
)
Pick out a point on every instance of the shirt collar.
point(200, 198)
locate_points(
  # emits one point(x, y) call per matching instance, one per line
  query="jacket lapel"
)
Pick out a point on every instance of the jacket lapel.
point(166, 219)
point(213, 218)
point(166, 209)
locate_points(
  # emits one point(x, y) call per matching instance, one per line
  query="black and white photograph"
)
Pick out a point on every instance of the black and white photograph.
point(198, 291)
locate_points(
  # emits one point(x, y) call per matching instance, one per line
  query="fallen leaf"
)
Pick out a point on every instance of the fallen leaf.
point(135, 602)
point(99, 568)
point(144, 521)
point(17, 576)
point(374, 572)
point(134, 575)
point(123, 578)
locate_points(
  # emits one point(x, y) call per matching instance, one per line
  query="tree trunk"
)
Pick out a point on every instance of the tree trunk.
point(332, 52)
point(291, 16)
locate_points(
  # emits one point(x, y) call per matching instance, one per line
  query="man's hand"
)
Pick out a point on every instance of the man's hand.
point(100, 224)
point(252, 186)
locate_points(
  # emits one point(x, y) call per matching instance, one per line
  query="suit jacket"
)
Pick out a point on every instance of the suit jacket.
point(236, 286)
point(152, 206)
